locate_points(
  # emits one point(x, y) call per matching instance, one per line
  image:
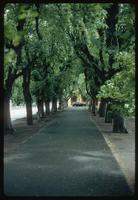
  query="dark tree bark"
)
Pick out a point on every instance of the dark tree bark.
point(28, 103)
point(47, 106)
point(118, 123)
point(12, 76)
point(60, 103)
point(93, 106)
point(52, 109)
point(7, 96)
point(111, 22)
point(40, 107)
point(54, 105)
point(90, 105)
point(27, 94)
point(102, 108)
point(108, 114)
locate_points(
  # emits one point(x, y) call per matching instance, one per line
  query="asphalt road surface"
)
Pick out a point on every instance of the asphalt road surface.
point(67, 157)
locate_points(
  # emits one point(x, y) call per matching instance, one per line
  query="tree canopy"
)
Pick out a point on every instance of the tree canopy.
point(56, 50)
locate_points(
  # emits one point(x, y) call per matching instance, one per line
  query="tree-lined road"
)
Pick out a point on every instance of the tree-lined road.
point(68, 157)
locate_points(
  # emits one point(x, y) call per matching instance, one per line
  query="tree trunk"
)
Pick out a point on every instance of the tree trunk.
point(93, 110)
point(27, 94)
point(47, 106)
point(54, 105)
point(12, 76)
point(7, 117)
point(52, 109)
point(7, 95)
point(108, 114)
point(40, 107)
point(28, 102)
point(65, 103)
point(60, 104)
point(118, 123)
point(90, 105)
point(102, 108)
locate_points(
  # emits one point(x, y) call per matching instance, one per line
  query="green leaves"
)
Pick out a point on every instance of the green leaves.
point(10, 57)
point(22, 16)
point(74, 41)
point(122, 86)
point(17, 89)
point(28, 14)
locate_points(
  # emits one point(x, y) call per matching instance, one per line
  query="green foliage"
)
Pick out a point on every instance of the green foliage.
point(72, 54)
point(10, 57)
point(17, 93)
point(122, 86)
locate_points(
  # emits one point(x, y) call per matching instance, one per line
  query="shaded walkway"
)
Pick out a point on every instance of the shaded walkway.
point(69, 157)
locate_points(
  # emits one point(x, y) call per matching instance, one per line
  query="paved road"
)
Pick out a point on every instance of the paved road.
point(68, 157)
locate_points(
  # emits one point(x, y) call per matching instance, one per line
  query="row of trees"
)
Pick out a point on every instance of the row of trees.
point(54, 50)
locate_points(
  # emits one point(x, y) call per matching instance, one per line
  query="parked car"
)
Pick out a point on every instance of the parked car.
point(79, 104)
